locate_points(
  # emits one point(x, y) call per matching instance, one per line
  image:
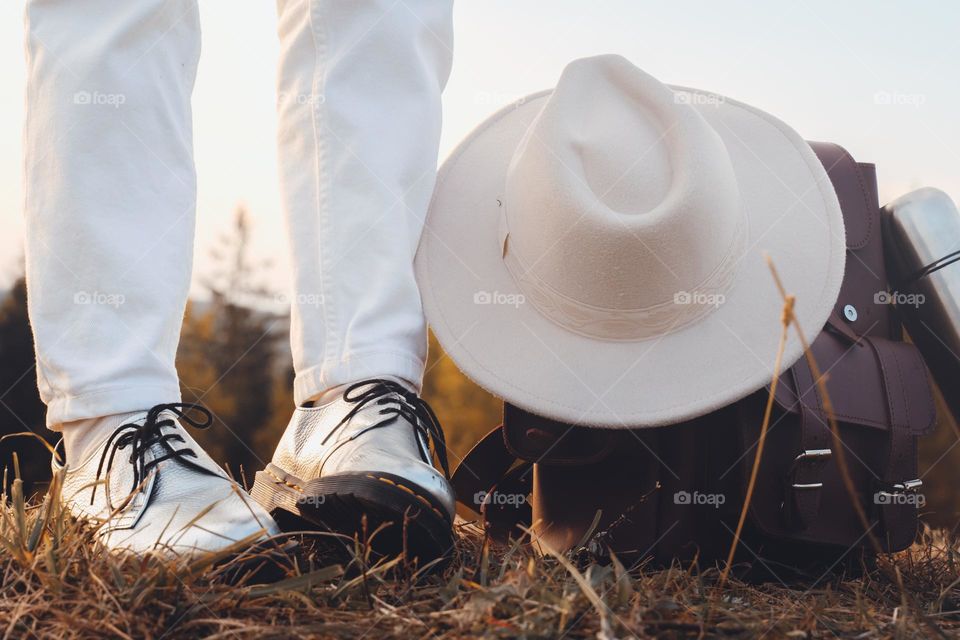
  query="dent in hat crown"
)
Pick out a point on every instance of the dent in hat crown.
point(619, 198)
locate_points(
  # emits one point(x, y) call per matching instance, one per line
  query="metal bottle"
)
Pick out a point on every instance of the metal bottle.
point(922, 236)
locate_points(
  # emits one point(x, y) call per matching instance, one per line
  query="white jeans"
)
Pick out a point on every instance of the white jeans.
point(111, 189)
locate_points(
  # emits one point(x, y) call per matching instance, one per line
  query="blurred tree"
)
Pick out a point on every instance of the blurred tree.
point(266, 438)
point(227, 357)
point(20, 406)
point(466, 411)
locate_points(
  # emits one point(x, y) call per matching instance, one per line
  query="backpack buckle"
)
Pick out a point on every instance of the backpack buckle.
point(892, 491)
point(816, 457)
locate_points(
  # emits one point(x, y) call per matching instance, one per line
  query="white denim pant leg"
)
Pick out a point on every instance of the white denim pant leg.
point(359, 126)
point(109, 199)
point(110, 193)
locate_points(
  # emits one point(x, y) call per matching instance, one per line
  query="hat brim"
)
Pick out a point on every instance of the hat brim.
point(502, 342)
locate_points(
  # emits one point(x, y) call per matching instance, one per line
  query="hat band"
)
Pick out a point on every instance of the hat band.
point(629, 325)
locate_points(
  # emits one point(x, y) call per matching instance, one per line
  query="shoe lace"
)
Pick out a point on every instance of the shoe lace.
point(140, 438)
point(409, 406)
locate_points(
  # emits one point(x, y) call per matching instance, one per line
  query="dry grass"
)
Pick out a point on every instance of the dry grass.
point(56, 583)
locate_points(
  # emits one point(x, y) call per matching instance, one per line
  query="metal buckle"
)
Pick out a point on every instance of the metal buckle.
point(816, 456)
point(911, 486)
point(899, 488)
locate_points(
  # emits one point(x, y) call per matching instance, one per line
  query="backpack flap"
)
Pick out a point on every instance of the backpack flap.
point(858, 377)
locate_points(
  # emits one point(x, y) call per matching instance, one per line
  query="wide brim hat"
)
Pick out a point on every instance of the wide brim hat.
point(595, 253)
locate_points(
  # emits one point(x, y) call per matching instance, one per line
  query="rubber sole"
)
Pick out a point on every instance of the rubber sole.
point(263, 563)
point(386, 511)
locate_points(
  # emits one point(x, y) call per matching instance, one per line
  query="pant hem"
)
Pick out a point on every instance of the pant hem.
point(108, 401)
point(354, 368)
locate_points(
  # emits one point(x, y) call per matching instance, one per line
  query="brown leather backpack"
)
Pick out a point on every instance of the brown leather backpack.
point(677, 491)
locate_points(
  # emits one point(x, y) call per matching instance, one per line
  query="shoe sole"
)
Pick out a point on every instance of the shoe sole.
point(264, 562)
point(407, 520)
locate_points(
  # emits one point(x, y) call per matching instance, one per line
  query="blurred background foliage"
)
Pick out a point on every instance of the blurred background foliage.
point(234, 358)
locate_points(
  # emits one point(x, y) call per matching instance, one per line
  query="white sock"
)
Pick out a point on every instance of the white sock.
point(82, 437)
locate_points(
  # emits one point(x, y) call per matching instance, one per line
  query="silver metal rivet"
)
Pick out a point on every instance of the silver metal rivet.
point(850, 312)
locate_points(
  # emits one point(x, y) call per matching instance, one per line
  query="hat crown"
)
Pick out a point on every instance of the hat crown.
point(619, 199)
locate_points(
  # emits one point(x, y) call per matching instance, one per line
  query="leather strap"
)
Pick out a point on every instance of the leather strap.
point(805, 477)
point(854, 191)
point(896, 497)
point(804, 486)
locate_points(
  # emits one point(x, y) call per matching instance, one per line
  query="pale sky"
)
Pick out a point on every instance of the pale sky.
point(816, 64)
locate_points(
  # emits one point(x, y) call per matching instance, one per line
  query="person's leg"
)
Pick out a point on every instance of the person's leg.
point(359, 108)
point(359, 102)
point(110, 199)
point(110, 203)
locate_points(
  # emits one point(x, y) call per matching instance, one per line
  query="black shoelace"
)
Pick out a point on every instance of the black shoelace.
point(409, 406)
point(140, 438)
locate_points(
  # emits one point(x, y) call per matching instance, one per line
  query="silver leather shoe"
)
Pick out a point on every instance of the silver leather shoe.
point(150, 488)
point(361, 462)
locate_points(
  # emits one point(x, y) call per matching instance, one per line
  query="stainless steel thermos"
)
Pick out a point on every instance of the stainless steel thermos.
point(922, 235)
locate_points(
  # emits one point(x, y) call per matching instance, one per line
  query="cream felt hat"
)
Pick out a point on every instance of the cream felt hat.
point(594, 253)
